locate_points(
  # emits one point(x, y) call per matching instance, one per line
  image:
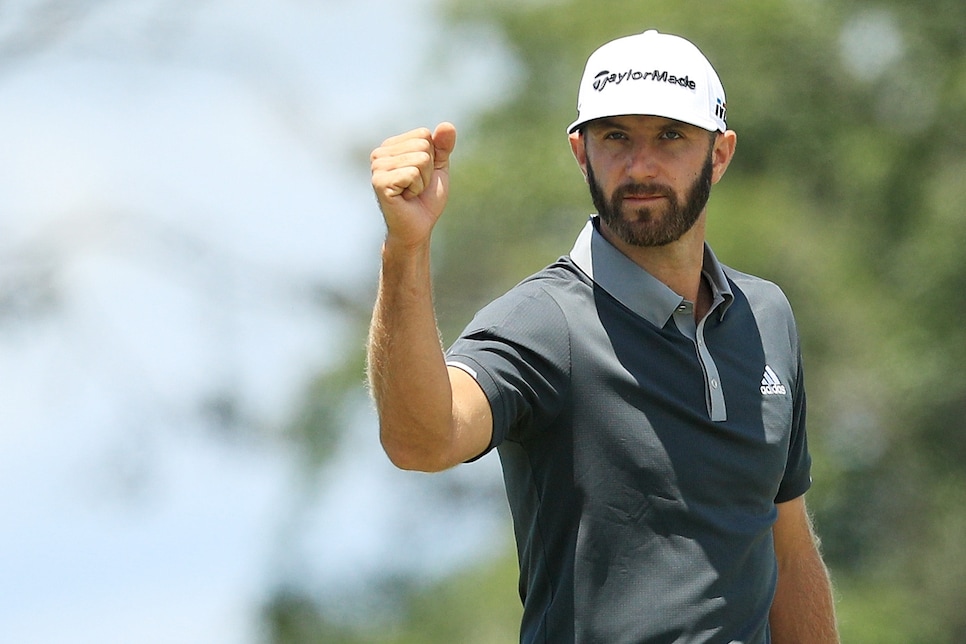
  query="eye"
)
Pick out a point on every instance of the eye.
point(615, 135)
point(671, 135)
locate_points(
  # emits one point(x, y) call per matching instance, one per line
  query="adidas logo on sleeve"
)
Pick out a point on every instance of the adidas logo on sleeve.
point(771, 385)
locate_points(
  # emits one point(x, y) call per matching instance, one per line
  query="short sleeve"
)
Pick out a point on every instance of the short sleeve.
point(518, 350)
point(797, 479)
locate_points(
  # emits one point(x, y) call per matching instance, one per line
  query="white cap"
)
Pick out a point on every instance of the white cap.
point(651, 74)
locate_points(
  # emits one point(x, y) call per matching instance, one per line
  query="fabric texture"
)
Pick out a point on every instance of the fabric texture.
point(641, 514)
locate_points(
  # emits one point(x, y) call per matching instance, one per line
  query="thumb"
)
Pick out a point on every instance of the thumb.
point(444, 140)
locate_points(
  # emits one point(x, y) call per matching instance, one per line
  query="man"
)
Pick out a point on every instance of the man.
point(646, 401)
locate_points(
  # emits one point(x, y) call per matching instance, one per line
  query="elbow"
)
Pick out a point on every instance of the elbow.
point(409, 456)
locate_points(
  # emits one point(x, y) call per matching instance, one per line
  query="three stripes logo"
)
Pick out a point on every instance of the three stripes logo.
point(771, 385)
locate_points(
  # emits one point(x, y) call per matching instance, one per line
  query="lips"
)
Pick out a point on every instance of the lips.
point(636, 197)
point(642, 192)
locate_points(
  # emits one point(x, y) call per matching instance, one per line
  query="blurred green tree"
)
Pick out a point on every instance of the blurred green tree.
point(847, 189)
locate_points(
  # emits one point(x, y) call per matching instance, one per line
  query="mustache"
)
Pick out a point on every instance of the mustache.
point(638, 189)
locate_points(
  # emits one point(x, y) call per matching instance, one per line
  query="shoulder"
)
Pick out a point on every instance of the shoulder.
point(760, 292)
point(766, 301)
point(555, 280)
point(541, 298)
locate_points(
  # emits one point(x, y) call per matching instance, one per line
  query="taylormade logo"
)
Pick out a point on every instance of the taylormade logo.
point(605, 78)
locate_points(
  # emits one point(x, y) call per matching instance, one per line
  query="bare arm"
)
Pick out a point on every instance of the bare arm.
point(430, 416)
point(803, 611)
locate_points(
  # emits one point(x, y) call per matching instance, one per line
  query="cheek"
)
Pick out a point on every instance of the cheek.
point(609, 172)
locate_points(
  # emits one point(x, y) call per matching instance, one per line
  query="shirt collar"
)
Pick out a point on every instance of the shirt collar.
point(634, 287)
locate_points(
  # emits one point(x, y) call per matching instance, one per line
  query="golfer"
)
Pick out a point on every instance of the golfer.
point(647, 401)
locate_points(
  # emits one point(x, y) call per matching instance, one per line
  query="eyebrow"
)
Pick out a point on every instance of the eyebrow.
point(663, 124)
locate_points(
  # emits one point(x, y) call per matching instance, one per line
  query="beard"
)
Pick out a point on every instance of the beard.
point(647, 227)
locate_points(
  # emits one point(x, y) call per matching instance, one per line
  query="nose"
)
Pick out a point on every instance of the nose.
point(642, 162)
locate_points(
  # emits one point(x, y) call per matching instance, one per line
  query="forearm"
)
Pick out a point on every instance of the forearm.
point(803, 611)
point(406, 368)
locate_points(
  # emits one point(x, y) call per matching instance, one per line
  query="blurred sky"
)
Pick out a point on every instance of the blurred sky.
point(177, 180)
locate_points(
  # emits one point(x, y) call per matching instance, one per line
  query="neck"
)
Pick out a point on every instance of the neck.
point(678, 265)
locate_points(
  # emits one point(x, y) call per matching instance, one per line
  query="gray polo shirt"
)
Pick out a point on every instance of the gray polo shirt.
point(643, 454)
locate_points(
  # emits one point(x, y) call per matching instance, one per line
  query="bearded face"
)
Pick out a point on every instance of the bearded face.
point(652, 226)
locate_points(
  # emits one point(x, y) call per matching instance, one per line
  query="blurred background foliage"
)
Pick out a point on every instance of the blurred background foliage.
point(847, 189)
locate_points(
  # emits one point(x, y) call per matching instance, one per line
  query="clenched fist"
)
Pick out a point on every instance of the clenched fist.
point(410, 176)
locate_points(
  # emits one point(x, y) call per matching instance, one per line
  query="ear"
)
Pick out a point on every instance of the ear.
point(580, 151)
point(724, 150)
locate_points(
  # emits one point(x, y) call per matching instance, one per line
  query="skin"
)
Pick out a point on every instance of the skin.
point(432, 417)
